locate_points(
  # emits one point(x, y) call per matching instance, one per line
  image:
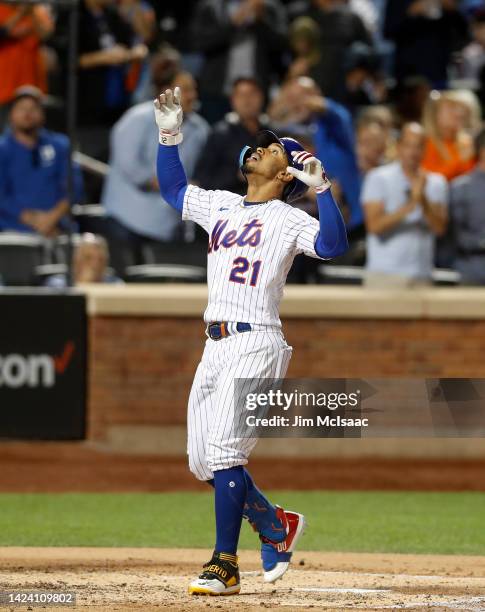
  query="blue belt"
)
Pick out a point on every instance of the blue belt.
point(218, 331)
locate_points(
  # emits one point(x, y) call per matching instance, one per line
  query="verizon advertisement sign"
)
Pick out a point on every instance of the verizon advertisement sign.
point(42, 366)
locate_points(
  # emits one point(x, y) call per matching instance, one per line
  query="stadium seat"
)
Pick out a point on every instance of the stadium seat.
point(354, 275)
point(90, 218)
point(186, 253)
point(19, 255)
point(61, 247)
point(445, 277)
point(341, 275)
point(44, 271)
point(165, 273)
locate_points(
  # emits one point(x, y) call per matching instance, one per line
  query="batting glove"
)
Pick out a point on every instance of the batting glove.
point(313, 173)
point(169, 116)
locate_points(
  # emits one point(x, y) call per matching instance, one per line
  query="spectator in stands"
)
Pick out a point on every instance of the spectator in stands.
point(426, 34)
point(23, 28)
point(89, 264)
point(473, 60)
point(450, 118)
point(368, 11)
point(405, 208)
point(340, 27)
point(371, 144)
point(142, 19)
point(304, 37)
point(106, 53)
point(106, 50)
point(292, 107)
point(364, 84)
point(239, 38)
point(410, 97)
point(217, 168)
point(301, 109)
point(141, 16)
point(467, 213)
point(176, 19)
point(137, 215)
point(33, 170)
point(382, 116)
point(167, 60)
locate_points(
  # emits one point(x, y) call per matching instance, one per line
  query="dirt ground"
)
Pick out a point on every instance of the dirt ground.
point(79, 466)
point(125, 579)
point(153, 579)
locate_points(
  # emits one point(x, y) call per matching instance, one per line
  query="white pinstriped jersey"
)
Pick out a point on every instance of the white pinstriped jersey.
point(251, 249)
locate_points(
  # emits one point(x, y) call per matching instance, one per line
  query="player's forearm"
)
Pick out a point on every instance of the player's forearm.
point(171, 176)
point(332, 239)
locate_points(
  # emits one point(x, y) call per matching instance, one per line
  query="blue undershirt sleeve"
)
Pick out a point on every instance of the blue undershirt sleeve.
point(171, 176)
point(332, 238)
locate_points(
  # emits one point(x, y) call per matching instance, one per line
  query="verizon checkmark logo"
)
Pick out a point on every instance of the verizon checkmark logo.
point(17, 371)
point(64, 359)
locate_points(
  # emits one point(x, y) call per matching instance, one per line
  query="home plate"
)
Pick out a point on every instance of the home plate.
point(339, 590)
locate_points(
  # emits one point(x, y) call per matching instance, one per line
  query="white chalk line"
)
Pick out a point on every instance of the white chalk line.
point(467, 604)
point(390, 575)
point(354, 591)
point(470, 604)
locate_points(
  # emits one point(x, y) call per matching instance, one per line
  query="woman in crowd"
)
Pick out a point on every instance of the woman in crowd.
point(304, 34)
point(450, 119)
point(23, 28)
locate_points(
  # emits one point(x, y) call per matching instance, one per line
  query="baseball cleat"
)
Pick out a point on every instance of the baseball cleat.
point(276, 556)
point(220, 577)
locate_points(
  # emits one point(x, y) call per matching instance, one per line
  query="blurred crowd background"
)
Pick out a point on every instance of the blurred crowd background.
point(388, 93)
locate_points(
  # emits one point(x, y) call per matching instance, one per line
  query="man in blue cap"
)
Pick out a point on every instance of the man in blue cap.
point(34, 166)
point(253, 240)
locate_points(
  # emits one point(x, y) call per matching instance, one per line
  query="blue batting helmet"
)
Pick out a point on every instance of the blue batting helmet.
point(295, 188)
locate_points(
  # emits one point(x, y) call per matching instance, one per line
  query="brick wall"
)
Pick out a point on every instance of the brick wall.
point(141, 368)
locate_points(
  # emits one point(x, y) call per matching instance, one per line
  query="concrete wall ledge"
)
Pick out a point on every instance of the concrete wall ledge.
point(300, 301)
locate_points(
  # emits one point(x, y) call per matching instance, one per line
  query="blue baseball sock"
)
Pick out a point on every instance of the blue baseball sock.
point(261, 513)
point(230, 494)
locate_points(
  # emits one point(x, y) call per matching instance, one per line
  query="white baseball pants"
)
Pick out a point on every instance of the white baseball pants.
point(213, 442)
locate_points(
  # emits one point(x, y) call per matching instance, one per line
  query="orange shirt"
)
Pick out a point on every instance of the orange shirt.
point(450, 166)
point(21, 61)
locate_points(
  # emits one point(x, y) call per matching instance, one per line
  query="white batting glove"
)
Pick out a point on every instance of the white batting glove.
point(169, 116)
point(313, 173)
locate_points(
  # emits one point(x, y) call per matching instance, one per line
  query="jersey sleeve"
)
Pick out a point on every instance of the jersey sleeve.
point(303, 230)
point(197, 206)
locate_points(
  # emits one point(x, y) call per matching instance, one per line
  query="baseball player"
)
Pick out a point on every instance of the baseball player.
point(252, 243)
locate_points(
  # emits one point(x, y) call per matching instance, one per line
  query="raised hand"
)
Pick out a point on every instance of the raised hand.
point(169, 116)
point(313, 173)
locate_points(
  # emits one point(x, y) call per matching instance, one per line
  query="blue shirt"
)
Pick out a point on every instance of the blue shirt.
point(31, 178)
point(133, 163)
point(335, 146)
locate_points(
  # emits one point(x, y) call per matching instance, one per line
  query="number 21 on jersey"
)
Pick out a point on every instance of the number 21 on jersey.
point(239, 272)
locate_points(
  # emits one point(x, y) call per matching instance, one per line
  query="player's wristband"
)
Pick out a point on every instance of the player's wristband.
point(168, 139)
point(323, 188)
